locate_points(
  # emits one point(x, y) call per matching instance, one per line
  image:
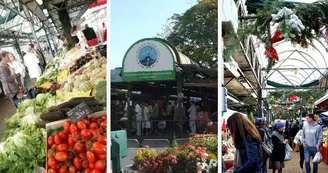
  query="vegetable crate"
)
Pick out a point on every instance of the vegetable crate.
point(60, 123)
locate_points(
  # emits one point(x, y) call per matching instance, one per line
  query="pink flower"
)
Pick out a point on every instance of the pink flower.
point(199, 167)
point(174, 161)
point(188, 157)
point(174, 157)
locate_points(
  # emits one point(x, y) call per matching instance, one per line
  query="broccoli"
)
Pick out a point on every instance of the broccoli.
point(101, 92)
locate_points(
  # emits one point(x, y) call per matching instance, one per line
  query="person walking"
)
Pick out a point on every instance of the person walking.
point(278, 153)
point(248, 143)
point(312, 139)
point(294, 130)
point(32, 63)
point(10, 85)
point(192, 118)
point(298, 140)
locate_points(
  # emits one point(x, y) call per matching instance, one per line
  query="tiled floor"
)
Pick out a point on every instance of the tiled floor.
point(292, 166)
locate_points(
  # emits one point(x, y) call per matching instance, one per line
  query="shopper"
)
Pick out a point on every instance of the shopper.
point(32, 63)
point(294, 130)
point(312, 138)
point(298, 140)
point(259, 122)
point(138, 112)
point(90, 36)
point(192, 118)
point(9, 84)
point(41, 57)
point(248, 141)
point(19, 69)
point(78, 37)
point(278, 153)
point(145, 118)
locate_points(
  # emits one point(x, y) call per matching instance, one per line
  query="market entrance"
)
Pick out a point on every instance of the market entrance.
point(154, 71)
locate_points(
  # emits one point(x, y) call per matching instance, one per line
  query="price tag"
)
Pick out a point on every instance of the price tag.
point(78, 112)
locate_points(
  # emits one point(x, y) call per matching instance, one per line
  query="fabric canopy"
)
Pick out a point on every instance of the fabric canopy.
point(279, 85)
point(98, 3)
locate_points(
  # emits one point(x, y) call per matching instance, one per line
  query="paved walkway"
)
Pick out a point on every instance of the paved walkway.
point(292, 166)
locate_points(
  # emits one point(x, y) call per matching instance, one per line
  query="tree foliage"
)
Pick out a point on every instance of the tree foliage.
point(194, 32)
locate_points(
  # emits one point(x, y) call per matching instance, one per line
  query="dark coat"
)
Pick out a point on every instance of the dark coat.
point(278, 152)
point(251, 157)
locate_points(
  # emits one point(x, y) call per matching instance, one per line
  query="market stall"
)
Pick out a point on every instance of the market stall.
point(72, 90)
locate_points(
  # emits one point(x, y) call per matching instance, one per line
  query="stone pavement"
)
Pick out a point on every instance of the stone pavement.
point(292, 166)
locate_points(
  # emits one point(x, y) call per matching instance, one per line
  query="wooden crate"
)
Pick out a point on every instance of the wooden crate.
point(60, 123)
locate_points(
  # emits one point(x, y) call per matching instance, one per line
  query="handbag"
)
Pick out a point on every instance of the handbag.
point(317, 158)
point(267, 151)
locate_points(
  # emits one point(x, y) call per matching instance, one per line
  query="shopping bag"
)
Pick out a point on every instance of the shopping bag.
point(317, 158)
point(288, 155)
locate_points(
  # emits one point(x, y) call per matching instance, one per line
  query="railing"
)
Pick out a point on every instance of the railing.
point(160, 128)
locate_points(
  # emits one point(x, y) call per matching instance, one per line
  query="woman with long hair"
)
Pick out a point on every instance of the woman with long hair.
point(248, 143)
point(278, 153)
point(19, 69)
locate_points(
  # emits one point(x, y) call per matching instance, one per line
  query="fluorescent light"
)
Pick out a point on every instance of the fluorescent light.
point(232, 99)
point(254, 95)
point(45, 11)
point(246, 85)
point(40, 2)
point(50, 20)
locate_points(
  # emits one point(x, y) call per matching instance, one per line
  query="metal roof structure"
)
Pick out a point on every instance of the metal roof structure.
point(17, 17)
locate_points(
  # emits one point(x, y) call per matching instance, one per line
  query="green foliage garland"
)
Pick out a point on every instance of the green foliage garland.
point(313, 16)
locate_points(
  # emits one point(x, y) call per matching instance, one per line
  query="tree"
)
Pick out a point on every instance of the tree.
point(194, 33)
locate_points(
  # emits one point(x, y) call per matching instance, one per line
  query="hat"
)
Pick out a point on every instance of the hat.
point(280, 125)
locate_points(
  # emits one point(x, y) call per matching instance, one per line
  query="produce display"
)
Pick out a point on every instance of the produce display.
point(80, 146)
point(58, 112)
point(94, 73)
point(230, 156)
point(80, 63)
point(24, 147)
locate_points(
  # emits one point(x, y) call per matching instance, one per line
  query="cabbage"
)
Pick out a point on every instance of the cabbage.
point(30, 119)
point(25, 104)
point(41, 99)
point(51, 101)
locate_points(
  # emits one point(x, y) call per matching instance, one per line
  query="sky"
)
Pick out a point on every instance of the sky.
point(132, 20)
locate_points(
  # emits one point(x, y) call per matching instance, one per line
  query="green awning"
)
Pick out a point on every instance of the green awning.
point(279, 85)
point(11, 16)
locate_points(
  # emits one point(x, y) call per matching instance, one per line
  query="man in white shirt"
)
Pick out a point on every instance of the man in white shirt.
point(137, 110)
point(192, 118)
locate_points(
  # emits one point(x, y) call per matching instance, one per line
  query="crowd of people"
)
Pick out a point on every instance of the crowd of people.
point(13, 72)
point(157, 115)
point(256, 144)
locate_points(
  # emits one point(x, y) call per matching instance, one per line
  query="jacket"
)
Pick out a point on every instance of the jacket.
point(9, 84)
point(312, 135)
point(278, 152)
point(251, 157)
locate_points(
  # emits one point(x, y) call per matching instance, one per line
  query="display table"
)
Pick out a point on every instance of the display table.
point(324, 153)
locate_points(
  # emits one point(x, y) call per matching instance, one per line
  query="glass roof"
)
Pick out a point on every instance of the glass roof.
point(297, 65)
